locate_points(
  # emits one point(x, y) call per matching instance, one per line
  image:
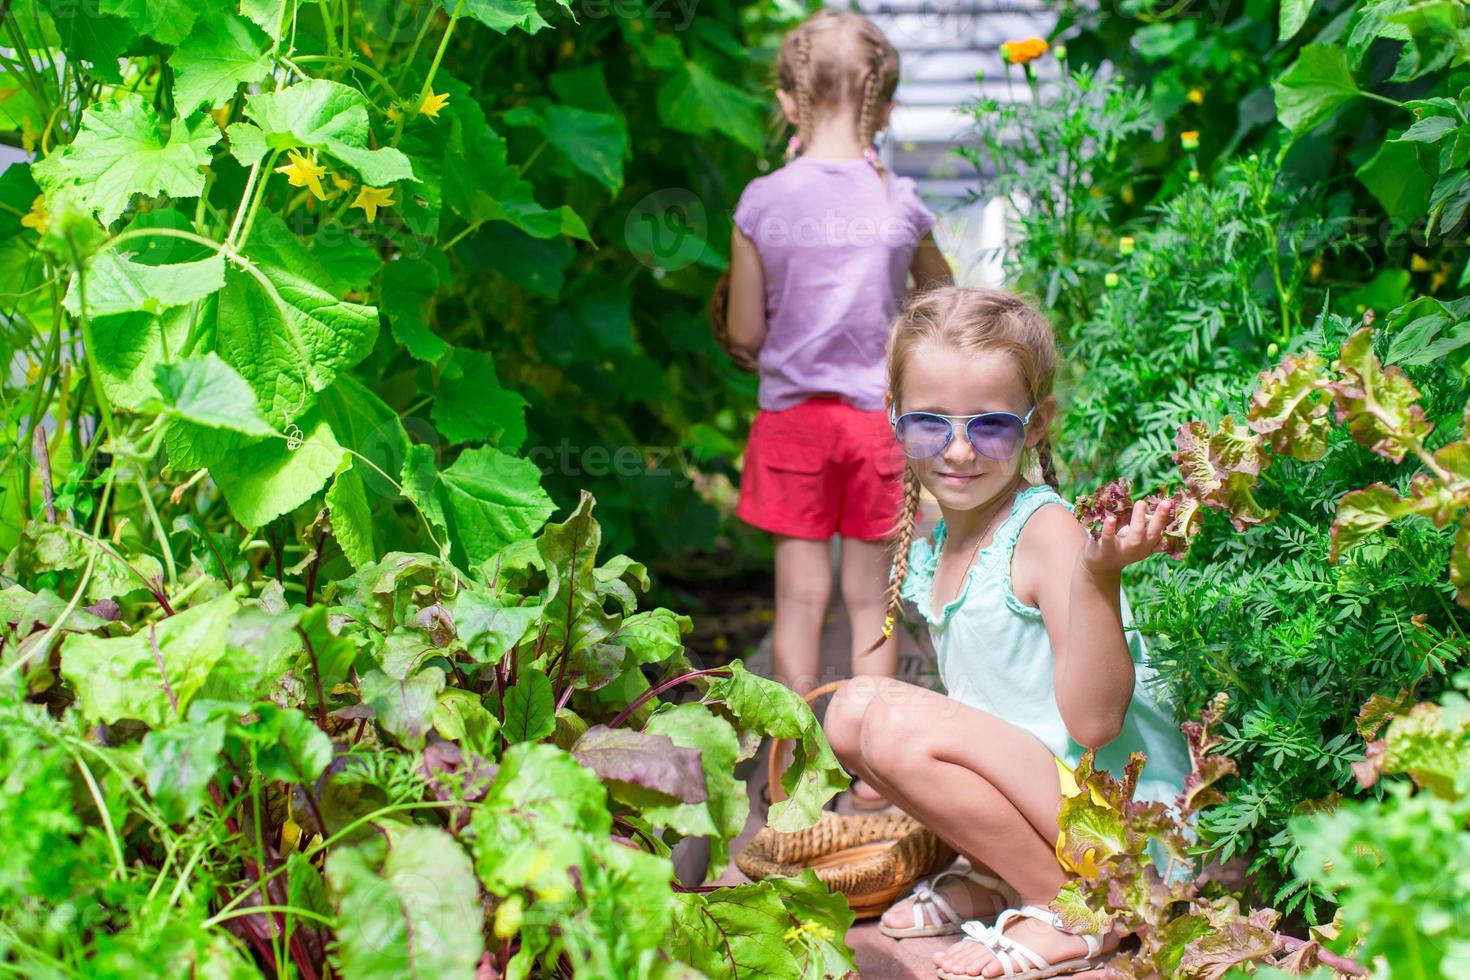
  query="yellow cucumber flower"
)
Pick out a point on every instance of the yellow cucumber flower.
point(433, 103)
point(301, 172)
point(372, 198)
point(36, 216)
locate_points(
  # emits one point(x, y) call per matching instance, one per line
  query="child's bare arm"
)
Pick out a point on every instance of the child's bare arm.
point(929, 267)
point(746, 314)
point(1083, 614)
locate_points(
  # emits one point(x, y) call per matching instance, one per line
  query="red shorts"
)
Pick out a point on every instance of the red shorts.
point(822, 468)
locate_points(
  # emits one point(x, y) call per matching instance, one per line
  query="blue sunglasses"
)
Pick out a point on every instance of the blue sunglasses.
point(994, 435)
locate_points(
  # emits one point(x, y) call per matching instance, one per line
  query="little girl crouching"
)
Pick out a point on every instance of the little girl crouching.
point(1027, 616)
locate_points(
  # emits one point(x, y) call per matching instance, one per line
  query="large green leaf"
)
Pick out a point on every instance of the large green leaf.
point(325, 115)
point(364, 424)
point(121, 151)
point(532, 825)
point(352, 518)
point(1314, 87)
point(771, 709)
point(207, 391)
point(288, 351)
point(120, 677)
point(289, 745)
point(471, 406)
point(88, 35)
point(166, 21)
point(406, 907)
point(529, 713)
point(592, 142)
point(693, 100)
point(130, 345)
point(501, 15)
point(114, 283)
point(404, 706)
point(1294, 14)
point(733, 932)
point(223, 51)
point(1398, 180)
point(269, 478)
point(180, 761)
point(485, 500)
point(407, 287)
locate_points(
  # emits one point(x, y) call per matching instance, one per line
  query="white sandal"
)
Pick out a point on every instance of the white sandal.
point(1015, 957)
point(926, 895)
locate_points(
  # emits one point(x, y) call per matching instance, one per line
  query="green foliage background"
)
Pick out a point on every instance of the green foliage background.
point(298, 678)
point(1247, 183)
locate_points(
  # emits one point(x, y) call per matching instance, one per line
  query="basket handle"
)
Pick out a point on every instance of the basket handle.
point(773, 777)
point(719, 303)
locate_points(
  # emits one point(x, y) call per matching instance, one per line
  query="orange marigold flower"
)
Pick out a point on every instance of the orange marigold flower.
point(1023, 52)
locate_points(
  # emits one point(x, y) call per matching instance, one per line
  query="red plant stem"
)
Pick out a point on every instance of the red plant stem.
point(316, 563)
point(316, 673)
point(566, 637)
point(654, 692)
point(298, 952)
point(168, 689)
point(566, 695)
point(43, 469)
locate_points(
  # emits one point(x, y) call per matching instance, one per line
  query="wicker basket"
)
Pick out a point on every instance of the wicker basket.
point(873, 859)
point(719, 303)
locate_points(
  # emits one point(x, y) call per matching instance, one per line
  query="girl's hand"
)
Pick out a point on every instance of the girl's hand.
point(1115, 548)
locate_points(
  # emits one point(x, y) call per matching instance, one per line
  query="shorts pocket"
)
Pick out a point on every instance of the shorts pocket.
point(791, 457)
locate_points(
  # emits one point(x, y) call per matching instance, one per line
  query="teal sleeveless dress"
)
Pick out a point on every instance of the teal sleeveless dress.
point(995, 655)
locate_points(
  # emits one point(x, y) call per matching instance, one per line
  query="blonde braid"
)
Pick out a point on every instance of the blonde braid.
point(903, 537)
point(868, 112)
point(1048, 468)
point(804, 88)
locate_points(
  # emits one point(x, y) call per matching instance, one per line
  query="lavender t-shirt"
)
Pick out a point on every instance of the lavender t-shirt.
point(836, 242)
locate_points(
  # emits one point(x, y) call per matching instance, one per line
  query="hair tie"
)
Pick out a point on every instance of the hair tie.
point(793, 146)
point(887, 627)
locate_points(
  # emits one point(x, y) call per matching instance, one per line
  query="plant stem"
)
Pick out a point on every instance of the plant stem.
point(94, 371)
point(158, 531)
point(654, 692)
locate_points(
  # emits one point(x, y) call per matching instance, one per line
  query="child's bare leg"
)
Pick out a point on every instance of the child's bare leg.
point(864, 591)
point(803, 589)
point(864, 580)
point(985, 786)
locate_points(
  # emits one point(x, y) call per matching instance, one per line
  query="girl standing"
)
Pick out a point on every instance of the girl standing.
point(821, 256)
point(1027, 616)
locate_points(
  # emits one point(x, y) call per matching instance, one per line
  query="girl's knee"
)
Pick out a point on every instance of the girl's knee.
point(893, 733)
point(843, 723)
